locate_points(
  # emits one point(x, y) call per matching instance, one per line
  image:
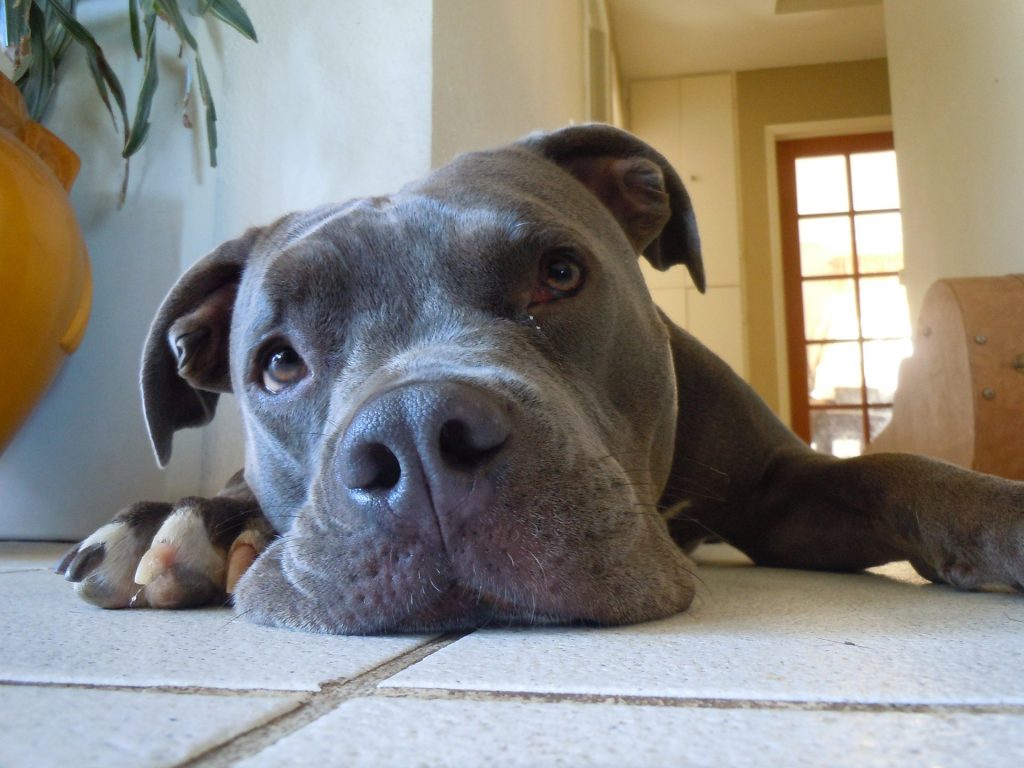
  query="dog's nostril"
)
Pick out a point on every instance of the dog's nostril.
point(378, 470)
point(417, 440)
point(465, 448)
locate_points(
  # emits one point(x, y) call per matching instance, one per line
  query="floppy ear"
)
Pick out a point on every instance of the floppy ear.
point(185, 361)
point(636, 184)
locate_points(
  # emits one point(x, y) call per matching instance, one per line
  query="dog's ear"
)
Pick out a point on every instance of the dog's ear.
point(636, 184)
point(185, 361)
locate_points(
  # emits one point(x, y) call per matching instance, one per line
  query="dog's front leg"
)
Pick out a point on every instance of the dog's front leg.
point(177, 555)
point(955, 526)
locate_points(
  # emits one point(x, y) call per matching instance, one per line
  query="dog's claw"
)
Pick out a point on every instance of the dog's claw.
point(158, 560)
point(62, 565)
point(80, 562)
point(243, 553)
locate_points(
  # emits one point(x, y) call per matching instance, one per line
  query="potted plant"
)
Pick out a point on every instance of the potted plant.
point(45, 284)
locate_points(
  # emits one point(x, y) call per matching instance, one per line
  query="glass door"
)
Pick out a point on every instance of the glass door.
point(848, 325)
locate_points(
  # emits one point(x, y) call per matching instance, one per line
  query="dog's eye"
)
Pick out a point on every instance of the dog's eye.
point(560, 276)
point(284, 367)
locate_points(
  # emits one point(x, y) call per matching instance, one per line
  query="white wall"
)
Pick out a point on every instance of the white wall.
point(957, 75)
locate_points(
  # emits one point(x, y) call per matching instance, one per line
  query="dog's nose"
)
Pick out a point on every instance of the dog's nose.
point(422, 445)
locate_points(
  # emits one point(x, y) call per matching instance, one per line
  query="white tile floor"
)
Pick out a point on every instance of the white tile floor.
point(772, 667)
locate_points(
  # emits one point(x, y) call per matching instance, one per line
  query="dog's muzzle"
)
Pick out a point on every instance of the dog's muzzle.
point(420, 449)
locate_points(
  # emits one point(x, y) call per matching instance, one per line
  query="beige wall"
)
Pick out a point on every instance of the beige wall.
point(502, 69)
point(958, 114)
point(775, 97)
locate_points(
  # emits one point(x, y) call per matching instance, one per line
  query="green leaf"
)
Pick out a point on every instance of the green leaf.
point(57, 37)
point(140, 125)
point(38, 85)
point(211, 111)
point(172, 11)
point(231, 12)
point(101, 71)
point(42, 30)
point(133, 23)
point(15, 22)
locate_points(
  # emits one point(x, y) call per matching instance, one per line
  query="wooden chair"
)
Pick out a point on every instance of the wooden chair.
point(961, 395)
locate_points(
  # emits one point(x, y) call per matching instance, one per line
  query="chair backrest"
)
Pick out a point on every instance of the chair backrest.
point(961, 395)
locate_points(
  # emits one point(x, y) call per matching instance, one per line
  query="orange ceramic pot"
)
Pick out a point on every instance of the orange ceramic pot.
point(45, 283)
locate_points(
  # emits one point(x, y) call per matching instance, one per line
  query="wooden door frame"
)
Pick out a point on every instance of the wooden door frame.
point(786, 151)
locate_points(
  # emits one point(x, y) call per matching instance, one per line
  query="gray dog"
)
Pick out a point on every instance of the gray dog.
point(461, 407)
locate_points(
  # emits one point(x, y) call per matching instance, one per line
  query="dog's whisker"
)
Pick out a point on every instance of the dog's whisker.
point(709, 467)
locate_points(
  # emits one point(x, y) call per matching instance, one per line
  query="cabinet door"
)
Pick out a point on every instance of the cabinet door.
point(691, 121)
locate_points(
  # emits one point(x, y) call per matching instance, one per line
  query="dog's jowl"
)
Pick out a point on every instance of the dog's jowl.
point(461, 408)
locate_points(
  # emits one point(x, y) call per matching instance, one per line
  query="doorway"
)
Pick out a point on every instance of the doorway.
point(847, 319)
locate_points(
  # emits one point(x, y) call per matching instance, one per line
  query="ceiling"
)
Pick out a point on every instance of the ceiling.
point(658, 38)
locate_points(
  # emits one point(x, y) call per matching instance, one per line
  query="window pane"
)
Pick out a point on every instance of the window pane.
point(882, 366)
point(879, 242)
point(883, 308)
point(875, 184)
point(825, 247)
point(833, 373)
point(821, 185)
point(830, 310)
point(878, 419)
point(840, 433)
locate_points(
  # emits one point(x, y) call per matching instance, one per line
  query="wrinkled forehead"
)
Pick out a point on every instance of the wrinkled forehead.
point(468, 213)
point(370, 244)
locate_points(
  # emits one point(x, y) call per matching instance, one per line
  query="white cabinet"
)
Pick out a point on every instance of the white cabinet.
point(692, 122)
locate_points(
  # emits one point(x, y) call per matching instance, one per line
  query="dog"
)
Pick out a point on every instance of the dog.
point(462, 408)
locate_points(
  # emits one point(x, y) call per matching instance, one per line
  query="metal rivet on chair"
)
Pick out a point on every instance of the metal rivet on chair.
point(980, 338)
point(988, 393)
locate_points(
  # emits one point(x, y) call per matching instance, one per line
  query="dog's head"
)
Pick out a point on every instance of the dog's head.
point(458, 400)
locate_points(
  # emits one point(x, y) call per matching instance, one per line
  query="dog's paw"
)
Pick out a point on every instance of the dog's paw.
point(102, 567)
point(973, 573)
point(974, 551)
point(167, 556)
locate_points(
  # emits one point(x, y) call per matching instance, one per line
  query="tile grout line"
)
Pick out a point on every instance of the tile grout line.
point(368, 683)
point(694, 702)
point(331, 695)
point(431, 693)
point(181, 690)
